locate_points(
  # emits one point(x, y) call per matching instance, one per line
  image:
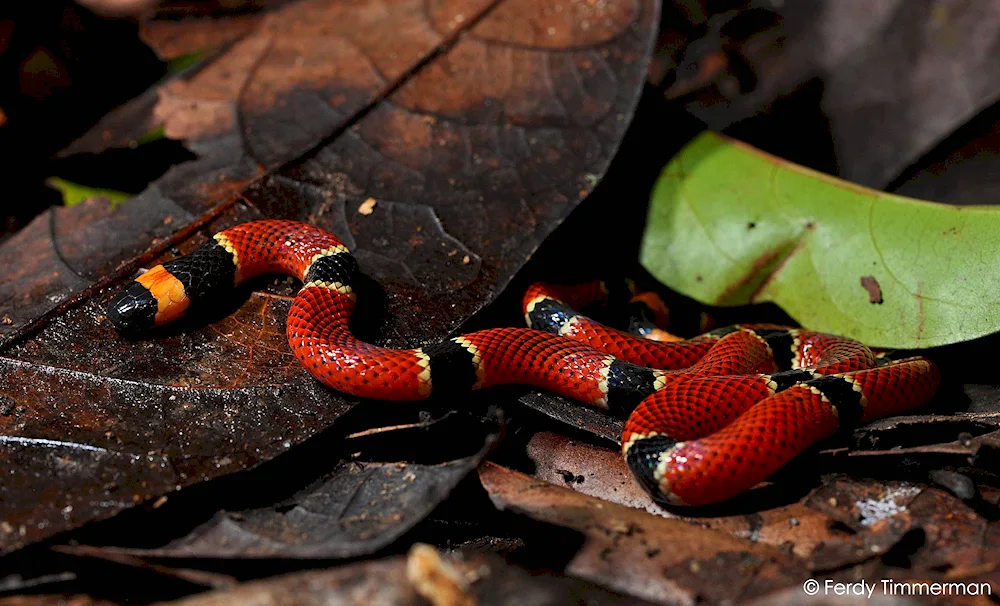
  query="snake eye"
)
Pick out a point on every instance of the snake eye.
point(134, 310)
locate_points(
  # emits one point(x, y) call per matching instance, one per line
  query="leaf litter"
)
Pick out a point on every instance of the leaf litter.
point(839, 526)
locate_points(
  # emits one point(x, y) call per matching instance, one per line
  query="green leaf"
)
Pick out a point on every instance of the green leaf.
point(183, 62)
point(731, 225)
point(154, 135)
point(74, 193)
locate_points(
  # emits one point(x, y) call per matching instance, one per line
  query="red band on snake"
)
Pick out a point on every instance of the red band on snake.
point(709, 417)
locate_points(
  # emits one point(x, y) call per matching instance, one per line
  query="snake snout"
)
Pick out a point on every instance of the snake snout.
point(134, 310)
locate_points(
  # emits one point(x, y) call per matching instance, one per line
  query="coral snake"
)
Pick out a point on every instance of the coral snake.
point(708, 417)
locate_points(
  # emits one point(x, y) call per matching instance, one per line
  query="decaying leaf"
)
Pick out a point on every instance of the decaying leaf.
point(796, 527)
point(628, 550)
point(905, 529)
point(109, 427)
point(355, 509)
point(845, 528)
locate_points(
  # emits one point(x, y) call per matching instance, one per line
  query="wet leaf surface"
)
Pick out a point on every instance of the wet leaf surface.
point(355, 509)
point(97, 430)
point(62, 252)
point(476, 126)
point(361, 508)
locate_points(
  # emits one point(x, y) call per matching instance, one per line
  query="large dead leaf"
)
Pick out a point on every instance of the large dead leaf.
point(355, 509)
point(797, 527)
point(476, 126)
point(843, 529)
point(900, 75)
point(650, 557)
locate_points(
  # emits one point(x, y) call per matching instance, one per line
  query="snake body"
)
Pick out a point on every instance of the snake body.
point(708, 417)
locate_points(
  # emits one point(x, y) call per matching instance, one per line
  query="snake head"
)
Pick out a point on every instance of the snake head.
point(156, 297)
point(133, 310)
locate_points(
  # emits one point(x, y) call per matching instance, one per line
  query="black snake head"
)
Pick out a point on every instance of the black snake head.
point(133, 310)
